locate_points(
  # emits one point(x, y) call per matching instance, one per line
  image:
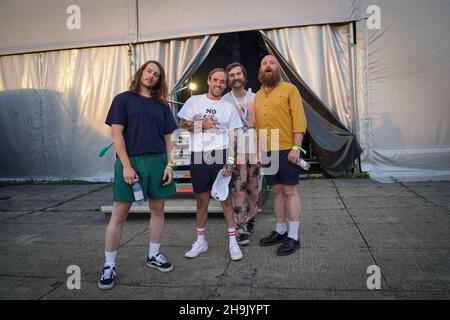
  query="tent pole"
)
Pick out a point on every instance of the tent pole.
point(353, 42)
point(131, 59)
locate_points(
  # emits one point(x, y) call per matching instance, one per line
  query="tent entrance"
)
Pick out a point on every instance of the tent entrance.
point(247, 48)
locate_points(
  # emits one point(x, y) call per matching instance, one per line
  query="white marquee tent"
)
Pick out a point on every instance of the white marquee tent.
point(62, 62)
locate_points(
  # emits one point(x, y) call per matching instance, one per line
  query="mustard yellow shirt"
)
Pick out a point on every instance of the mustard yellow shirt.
point(282, 110)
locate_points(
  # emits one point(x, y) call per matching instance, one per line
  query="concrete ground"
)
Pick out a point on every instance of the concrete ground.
point(346, 226)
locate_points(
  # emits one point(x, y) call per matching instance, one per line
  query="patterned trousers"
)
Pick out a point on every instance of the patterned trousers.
point(244, 194)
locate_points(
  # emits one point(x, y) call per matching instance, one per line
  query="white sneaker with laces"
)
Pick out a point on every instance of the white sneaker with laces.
point(235, 253)
point(197, 248)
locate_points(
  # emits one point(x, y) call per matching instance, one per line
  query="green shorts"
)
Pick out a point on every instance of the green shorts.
point(150, 170)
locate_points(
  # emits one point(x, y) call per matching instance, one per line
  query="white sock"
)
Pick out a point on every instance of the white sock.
point(201, 234)
point(110, 258)
point(153, 249)
point(232, 236)
point(281, 228)
point(293, 229)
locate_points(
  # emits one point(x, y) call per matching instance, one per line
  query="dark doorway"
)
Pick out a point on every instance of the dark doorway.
point(247, 48)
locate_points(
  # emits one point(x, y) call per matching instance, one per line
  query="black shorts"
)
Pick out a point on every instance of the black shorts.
point(287, 173)
point(204, 168)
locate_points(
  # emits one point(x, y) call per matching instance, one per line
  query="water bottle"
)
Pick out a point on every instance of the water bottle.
point(138, 193)
point(303, 164)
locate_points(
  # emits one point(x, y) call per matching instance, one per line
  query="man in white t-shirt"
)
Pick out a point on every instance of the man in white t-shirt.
point(246, 173)
point(211, 122)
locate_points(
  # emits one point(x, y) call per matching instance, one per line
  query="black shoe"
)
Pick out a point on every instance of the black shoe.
point(288, 247)
point(274, 238)
point(243, 239)
point(160, 263)
point(108, 278)
point(251, 225)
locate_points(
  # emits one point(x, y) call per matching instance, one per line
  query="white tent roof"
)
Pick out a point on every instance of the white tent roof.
point(174, 18)
point(40, 25)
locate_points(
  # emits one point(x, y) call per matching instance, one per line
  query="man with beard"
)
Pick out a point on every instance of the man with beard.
point(246, 173)
point(279, 110)
point(141, 126)
point(211, 122)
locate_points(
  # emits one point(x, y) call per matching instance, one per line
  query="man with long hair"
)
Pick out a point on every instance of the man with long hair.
point(211, 122)
point(246, 173)
point(141, 126)
point(279, 111)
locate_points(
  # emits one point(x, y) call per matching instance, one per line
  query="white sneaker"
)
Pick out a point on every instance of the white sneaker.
point(235, 253)
point(197, 248)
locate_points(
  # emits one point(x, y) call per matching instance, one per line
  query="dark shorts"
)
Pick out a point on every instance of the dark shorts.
point(150, 170)
point(204, 168)
point(287, 173)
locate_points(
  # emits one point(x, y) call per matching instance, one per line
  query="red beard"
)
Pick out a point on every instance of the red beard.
point(269, 80)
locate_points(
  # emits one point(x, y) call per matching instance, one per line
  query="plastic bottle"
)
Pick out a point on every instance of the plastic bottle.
point(138, 193)
point(303, 164)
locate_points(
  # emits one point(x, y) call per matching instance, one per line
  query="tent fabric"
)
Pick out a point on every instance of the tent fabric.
point(179, 57)
point(401, 74)
point(53, 106)
point(174, 55)
point(334, 145)
point(41, 25)
point(405, 125)
point(52, 109)
point(20, 136)
point(236, 15)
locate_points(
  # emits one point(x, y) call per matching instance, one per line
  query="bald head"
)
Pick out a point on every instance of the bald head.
point(269, 71)
point(269, 59)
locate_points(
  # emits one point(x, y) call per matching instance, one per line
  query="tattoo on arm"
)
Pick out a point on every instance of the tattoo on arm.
point(187, 125)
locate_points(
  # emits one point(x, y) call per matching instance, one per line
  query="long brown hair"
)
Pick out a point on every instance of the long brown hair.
point(159, 91)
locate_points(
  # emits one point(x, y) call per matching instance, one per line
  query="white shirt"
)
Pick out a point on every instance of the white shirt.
point(199, 107)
